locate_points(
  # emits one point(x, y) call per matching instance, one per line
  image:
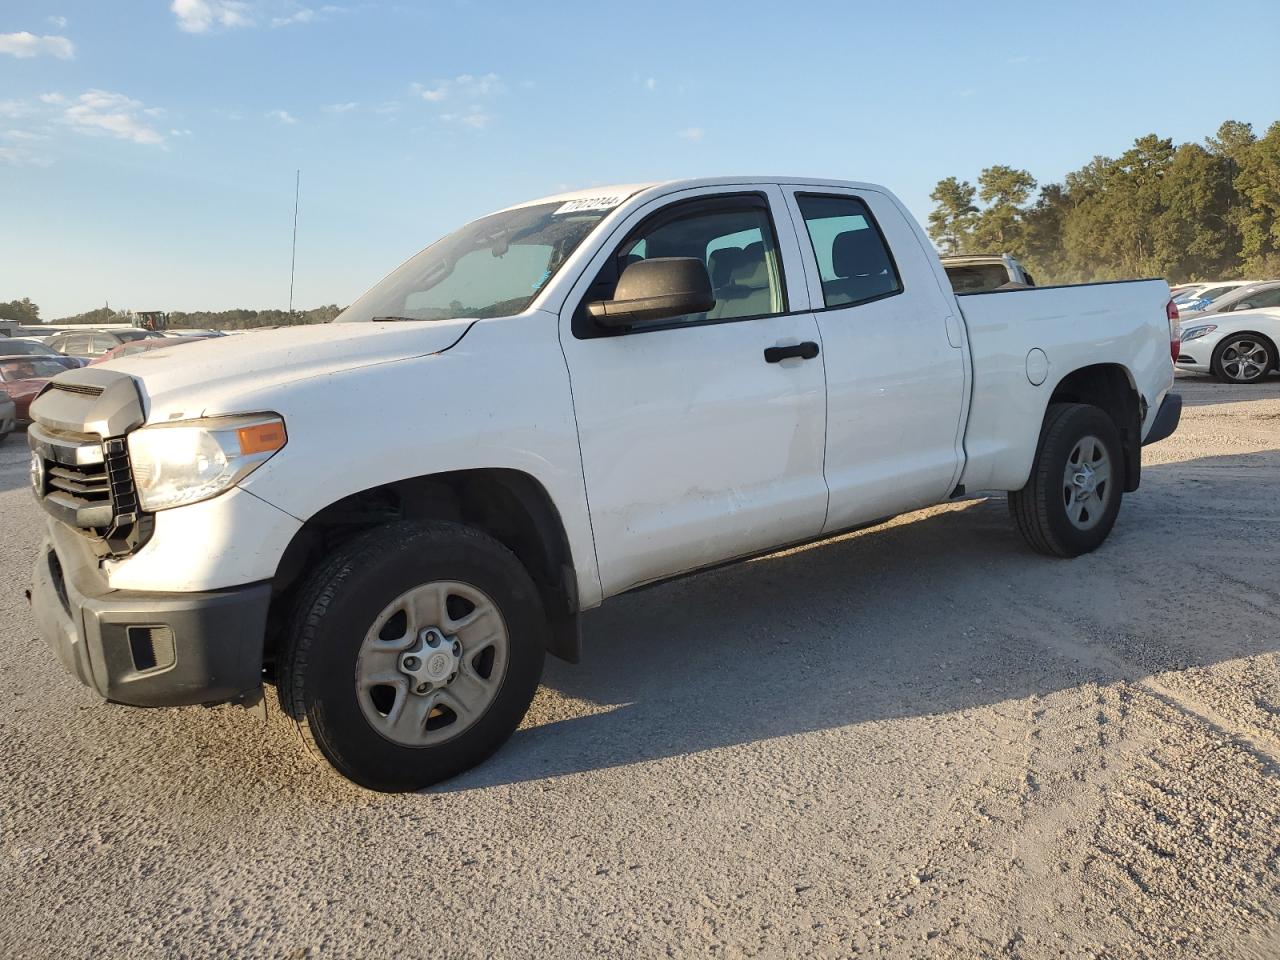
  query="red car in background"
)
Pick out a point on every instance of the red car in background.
point(23, 377)
point(142, 346)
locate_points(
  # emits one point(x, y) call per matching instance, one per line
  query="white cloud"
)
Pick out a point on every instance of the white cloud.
point(651, 84)
point(1022, 59)
point(22, 156)
point(465, 86)
point(692, 134)
point(303, 15)
point(58, 22)
point(100, 111)
point(53, 98)
point(26, 136)
point(341, 107)
point(199, 16)
point(25, 45)
point(15, 108)
point(432, 94)
point(473, 117)
point(284, 116)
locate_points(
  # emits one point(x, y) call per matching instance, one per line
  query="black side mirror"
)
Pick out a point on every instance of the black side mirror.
point(656, 289)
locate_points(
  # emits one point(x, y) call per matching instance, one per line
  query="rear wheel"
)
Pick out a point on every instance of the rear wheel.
point(1243, 358)
point(1071, 499)
point(414, 654)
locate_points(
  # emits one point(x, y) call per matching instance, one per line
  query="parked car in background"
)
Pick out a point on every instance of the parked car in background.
point(984, 272)
point(1251, 296)
point(26, 347)
point(94, 343)
point(24, 377)
point(143, 346)
point(8, 414)
point(1199, 299)
point(1238, 346)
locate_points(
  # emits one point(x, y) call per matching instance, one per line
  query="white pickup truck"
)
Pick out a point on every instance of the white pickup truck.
point(393, 517)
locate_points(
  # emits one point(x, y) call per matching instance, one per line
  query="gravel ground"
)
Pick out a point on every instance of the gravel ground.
point(919, 740)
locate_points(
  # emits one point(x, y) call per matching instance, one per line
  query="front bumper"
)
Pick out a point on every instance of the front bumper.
point(1166, 420)
point(147, 649)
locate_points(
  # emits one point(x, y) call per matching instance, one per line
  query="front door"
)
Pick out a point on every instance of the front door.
point(695, 447)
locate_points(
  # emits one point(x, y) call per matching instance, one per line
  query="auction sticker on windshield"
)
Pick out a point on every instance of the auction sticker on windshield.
point(589, 203)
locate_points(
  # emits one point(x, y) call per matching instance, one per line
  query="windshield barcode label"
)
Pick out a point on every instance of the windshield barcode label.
point(589, 203)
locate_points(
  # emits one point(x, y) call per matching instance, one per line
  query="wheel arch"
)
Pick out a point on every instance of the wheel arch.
point(1111, 387)
point(511, 506)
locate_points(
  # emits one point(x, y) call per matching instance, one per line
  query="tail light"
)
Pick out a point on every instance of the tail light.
point(1171, 311)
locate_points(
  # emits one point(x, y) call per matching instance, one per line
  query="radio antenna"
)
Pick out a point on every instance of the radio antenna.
point(293, 260)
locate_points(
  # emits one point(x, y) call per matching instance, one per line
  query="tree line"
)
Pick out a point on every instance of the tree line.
point(1193, 211)
point(239, 319)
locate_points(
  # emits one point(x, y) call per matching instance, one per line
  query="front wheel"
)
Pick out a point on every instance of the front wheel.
point(413, 654)
point(1071, 499)
point(1243, 358)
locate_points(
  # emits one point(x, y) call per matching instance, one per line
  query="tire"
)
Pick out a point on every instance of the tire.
point(332, 643)
point(1043, 510)
point(1226, 361)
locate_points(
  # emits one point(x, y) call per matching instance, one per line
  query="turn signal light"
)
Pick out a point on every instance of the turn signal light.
point(261, 437)
point(1170, 310)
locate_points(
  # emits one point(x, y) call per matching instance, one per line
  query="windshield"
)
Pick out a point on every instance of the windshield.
point(493, 267)
point(32, 368)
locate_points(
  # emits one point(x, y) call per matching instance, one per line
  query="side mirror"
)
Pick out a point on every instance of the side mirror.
point(1241, 306)
point(656, 289)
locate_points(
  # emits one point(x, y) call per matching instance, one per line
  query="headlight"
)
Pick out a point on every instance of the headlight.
point(1195, 333)
point(191, 460)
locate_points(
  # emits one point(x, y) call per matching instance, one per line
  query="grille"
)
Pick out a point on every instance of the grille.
point(86, 483)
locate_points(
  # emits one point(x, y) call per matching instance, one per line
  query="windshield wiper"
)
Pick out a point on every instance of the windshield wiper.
point(406, 319)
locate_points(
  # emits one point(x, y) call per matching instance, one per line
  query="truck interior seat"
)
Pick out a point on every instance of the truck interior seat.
point(861, 266)
point(747, 293)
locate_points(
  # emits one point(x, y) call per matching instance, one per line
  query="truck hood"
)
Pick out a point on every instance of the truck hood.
point(209, 378)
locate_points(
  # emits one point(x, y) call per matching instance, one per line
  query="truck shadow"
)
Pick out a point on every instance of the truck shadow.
point(940, 611)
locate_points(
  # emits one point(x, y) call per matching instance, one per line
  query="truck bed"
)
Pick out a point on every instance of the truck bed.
point(1072, 326)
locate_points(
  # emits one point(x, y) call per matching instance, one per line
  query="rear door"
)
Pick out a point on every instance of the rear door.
point(695, 447)
point(893, 352)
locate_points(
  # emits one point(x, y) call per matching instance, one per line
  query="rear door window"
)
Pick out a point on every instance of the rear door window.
point(854, 262)
point(76, 345)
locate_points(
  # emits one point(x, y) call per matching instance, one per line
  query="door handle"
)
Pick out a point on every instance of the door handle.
point(805, 351)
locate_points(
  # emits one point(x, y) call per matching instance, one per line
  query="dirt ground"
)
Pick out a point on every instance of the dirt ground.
point(920, 740)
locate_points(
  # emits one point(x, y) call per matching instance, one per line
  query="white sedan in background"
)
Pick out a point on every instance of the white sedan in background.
point(1236, 347)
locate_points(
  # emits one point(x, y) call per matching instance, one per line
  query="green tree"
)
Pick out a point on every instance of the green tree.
point(1193, 234)
point(1259, 186)
point(1004, 191)
point(951, 222)
point(1042, 226)
point(24, 311)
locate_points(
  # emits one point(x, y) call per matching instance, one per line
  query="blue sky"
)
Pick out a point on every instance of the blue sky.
point(148, 149)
